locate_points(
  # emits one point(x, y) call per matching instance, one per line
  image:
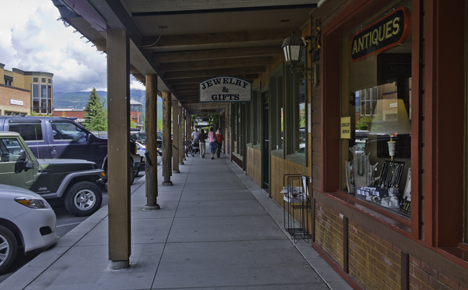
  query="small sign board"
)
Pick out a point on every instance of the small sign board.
point(225, 89)
point(387, 32)
point(345, 128)
point(16, 102)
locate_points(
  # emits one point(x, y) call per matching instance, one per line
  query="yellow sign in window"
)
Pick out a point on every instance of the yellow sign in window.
point(346, 128)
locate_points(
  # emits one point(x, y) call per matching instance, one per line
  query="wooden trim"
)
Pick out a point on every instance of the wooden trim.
point(404, 268)
point(416, 120)
point(444, 107)
point(404, 223)
point(312, 212)
point(345, 245)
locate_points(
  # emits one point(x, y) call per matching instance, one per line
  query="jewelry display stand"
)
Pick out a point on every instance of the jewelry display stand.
point(362, 170)
point(296, 206)
point(386, 192)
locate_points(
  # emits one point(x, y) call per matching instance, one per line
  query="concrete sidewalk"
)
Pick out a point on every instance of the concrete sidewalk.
point(215, 230)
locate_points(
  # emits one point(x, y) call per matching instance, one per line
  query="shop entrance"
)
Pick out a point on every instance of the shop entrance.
point(266, 145)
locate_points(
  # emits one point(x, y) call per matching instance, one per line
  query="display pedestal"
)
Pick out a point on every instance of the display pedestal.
point(296, 206)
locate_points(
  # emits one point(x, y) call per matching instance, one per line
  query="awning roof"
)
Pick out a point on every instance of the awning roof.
point(186, 42)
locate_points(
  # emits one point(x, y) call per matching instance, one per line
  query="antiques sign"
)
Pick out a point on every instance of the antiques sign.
point(387, 32)
point(225, 89)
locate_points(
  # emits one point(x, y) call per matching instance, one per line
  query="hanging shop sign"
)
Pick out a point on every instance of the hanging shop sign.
point(225, 89)
point(387, 32)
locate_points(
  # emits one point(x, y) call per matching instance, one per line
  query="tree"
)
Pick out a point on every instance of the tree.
point(95, 114)
point(363, 123)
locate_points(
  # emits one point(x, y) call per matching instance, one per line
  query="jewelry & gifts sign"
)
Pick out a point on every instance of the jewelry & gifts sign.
point(225, 89)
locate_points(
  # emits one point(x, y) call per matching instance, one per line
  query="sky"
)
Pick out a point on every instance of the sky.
point(31, 39)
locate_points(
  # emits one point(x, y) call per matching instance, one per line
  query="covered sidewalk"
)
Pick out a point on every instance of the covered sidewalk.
point(215, 230)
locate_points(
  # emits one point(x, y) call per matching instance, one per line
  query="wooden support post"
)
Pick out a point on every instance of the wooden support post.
point(181, 135)
point(186, 138)
point(189, 128)
point(167, 146)
point(345, 245)
point(151, 155)
point(175, 136)
point(118, 104)
point(405, 270)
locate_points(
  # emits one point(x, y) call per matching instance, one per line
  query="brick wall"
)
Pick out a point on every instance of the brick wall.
point(373, 262)
point(422, 276)
point(329, 232)
point(7, 93)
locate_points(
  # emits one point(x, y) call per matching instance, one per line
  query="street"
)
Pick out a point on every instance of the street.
point(65, 223)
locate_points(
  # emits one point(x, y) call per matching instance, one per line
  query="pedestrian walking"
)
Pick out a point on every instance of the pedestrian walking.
point(220, 139)
point(202, 143)
point(212, 139)
point(195, 134)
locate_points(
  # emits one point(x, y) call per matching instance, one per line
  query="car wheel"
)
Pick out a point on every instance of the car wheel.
point(137, 172)
point(83, 198)
point(8, 248)
point(132, 175)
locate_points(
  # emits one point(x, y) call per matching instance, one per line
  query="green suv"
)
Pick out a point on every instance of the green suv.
point(74, 182)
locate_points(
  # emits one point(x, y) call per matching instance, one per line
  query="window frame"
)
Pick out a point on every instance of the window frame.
point(292, 114)
point(277, 101)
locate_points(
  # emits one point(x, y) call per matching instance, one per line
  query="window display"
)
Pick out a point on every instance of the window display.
point(376, 97)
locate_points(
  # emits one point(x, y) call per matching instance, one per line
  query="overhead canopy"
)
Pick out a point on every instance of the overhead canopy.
point(187, 42)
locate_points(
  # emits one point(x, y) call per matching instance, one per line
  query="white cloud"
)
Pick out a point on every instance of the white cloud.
point(31, 39)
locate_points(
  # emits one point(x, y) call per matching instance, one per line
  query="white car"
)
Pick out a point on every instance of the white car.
point(141, 151)
point(27, 223)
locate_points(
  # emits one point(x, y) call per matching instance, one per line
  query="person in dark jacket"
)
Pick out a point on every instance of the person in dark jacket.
point(220, 139)
point(202, 143)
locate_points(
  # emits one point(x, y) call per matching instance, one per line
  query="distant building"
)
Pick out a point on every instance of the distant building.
point(70, 112)
point(136, 110)
point(23, 92)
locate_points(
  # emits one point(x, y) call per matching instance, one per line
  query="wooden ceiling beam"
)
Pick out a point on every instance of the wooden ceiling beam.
point(197, 80)
point(214, 72)
point(217, 63)
point(212, 54)
point(192, 87)
point(191, 40)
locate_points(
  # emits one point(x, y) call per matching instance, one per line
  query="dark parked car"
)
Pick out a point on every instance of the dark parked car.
point(57, 137)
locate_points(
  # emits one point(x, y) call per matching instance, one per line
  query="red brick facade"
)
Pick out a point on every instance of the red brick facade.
point(329, 232)
point(10, 93)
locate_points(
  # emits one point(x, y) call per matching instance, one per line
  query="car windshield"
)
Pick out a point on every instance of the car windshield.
point(68, 131)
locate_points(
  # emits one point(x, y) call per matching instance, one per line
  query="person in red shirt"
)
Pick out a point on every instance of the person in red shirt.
point(220, 139)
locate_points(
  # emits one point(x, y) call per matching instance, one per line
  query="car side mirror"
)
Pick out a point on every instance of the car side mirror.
point(22, 162)
point(91, 138)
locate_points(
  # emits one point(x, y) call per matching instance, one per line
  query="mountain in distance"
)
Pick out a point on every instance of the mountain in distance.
point(78, 100)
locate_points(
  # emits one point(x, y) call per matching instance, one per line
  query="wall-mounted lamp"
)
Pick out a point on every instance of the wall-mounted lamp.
point(293, 47)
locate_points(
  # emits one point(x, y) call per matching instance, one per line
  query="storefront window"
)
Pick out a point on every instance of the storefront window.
point(376, 110)
point(300, 117)
point(235, 125)
point(277, 113)
point(36, 98)
point(239, 130)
